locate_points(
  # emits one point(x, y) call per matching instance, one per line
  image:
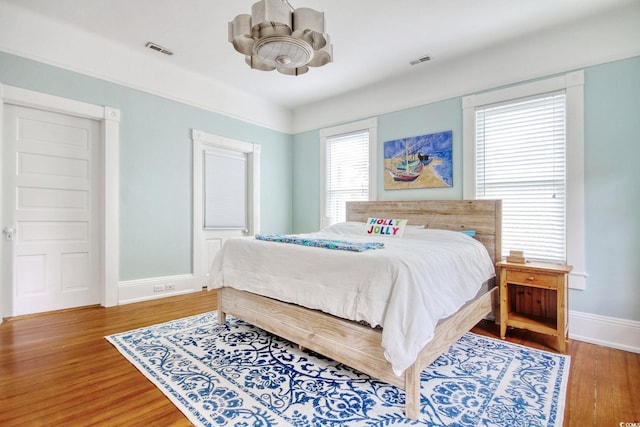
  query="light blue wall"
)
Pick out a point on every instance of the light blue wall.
point(155, 164)
point(612, 181)
point(155, 170)
point(442, 116)
point(430, 118)
point(612, 190)
point(306, 188)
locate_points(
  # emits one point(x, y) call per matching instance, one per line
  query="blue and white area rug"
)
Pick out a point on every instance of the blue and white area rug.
point(239, 375)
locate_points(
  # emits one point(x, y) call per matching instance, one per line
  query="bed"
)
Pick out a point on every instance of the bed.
point(358, 344)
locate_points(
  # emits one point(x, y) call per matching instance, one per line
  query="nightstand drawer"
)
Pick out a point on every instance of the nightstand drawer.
point(535, 279)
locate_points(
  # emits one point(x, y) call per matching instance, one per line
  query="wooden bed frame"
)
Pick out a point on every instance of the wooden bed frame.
point(357, 345)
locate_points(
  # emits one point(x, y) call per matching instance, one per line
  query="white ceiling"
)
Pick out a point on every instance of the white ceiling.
point(373, 40)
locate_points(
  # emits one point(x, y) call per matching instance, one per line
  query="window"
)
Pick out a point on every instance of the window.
point(520, 158)
point(524, 144)
point(225, 190)
point(348, 159)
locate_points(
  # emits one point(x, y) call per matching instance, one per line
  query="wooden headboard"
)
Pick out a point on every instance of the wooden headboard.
point(484, 216)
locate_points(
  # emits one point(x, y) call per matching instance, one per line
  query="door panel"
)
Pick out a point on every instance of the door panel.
point(51, 199)
point(207, 241)
point(215, 236)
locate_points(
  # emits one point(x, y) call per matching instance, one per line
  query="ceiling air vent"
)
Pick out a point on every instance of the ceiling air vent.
point(159, 48)
point(420, 60)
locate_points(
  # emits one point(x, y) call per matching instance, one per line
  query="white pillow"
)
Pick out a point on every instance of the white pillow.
point(345, 228)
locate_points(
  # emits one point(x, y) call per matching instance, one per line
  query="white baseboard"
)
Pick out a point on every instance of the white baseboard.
point(611, 332)
point(157, 287)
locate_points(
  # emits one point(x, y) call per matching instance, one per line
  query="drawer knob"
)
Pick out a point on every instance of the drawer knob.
point(531, 278)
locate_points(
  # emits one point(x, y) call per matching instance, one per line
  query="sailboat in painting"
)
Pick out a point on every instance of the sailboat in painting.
point(408, 169)
point(403, 166)
point(407, 175)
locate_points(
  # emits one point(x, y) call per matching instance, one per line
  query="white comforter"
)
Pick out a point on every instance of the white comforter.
point(406, 287)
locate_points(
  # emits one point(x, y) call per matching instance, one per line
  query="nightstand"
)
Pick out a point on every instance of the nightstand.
point(546, 282)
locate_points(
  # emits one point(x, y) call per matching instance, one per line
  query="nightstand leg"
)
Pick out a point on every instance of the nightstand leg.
point(504, 302)
point(562, 314)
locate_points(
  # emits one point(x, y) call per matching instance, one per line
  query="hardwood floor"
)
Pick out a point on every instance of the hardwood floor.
point(58, 370)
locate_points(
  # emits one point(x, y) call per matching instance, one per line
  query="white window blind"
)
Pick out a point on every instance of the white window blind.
point(521, 158)
point(347, 172)
point(225, 188)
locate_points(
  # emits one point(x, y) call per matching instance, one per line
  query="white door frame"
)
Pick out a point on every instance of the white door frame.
point(109, 119)
point(202, 140)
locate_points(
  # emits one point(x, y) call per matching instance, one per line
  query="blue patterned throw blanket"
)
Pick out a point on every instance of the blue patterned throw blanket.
point(321, 243)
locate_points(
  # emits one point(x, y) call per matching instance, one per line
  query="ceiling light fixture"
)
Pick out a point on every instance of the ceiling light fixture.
point(278, 37)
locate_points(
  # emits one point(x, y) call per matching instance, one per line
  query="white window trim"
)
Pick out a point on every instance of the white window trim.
point(370, 124)
point(573, 84)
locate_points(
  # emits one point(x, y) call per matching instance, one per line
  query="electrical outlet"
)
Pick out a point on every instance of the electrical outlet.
point(170, 287)
point(158, 288)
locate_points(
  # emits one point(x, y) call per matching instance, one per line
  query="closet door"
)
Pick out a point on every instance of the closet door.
point(51, 209)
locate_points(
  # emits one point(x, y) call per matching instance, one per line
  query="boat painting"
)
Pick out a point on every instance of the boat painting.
point(403, 166)
point(405, 175)
point(423, 161)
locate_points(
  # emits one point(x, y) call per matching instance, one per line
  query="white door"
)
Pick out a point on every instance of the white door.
point(225, 199)
point(221, 207)
point(51, 210)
